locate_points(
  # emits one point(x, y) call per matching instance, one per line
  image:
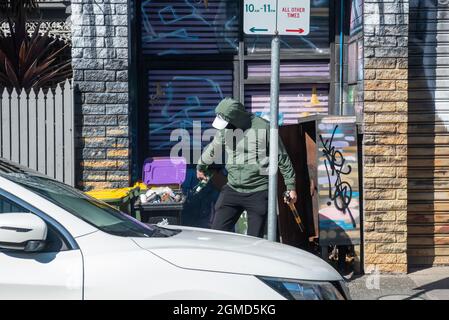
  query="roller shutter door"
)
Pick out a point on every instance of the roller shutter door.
point(178, 97)
point(189, 27)
point(295, 100)
point(428, 141)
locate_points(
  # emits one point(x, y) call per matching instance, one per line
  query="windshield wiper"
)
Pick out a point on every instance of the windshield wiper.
point(122, 230)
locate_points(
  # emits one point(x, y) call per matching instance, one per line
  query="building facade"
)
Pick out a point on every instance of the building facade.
point(143, 68)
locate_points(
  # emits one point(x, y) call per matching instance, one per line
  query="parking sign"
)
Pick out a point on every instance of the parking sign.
point(293, 17)
point(259, 17)
point(287, 17)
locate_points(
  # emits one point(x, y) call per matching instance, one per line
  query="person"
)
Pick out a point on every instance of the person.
point(245, 138)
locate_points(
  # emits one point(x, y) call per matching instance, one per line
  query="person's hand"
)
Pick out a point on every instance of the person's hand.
point(200, 175)
point(293, 197)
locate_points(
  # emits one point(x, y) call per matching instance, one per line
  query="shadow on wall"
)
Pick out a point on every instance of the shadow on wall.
point(427, 107)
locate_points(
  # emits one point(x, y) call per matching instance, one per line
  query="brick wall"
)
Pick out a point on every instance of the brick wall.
point(100, 63)
point(385, 135)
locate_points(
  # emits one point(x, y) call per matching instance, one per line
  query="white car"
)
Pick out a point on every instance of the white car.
point(58, 243)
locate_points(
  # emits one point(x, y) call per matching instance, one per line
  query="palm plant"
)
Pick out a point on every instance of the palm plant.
point(30, 61)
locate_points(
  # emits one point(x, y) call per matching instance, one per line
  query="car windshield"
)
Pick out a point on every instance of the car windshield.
point(92, 211)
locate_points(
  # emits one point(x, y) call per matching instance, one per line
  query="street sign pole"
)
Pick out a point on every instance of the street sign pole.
point(275, 18)
point(274, 136)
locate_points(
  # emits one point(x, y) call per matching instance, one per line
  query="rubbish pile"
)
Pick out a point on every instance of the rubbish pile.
point(161, 195)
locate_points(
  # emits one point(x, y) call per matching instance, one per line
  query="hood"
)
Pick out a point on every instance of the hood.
point(209, 250)
point(234, 112)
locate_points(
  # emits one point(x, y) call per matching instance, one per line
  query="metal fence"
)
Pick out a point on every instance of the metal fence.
point(37, 130)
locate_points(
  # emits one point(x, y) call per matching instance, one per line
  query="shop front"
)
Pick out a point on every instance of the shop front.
point(192, 54)
point(187, 55)
point(367, 79)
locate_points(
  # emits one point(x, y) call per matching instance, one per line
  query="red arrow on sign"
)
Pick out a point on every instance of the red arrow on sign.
point(295, 30)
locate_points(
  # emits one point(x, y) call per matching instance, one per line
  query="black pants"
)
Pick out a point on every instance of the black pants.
point(231, 204)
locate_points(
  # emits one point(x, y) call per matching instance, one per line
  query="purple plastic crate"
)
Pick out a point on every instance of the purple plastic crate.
point(164, 171)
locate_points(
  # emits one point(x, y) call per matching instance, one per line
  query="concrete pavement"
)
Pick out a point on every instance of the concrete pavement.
point(433, 281)
point(428, 284)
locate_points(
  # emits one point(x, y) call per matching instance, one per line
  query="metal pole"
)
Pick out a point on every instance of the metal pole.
point(342, 16)
point(274, 148)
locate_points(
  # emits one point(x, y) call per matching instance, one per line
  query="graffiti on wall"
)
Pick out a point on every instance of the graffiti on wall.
point(339, 215)
point(199, 26)
point(189, 26)
point(176, 98)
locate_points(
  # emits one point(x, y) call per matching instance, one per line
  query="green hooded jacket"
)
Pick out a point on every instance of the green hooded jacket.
point(246, 150)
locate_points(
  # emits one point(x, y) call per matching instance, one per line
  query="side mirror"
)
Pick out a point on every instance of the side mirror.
point(22, 231)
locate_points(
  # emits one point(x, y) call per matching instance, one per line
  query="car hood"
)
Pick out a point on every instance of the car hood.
point(207, 250)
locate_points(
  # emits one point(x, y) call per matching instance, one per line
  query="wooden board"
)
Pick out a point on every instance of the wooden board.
point(294, 140)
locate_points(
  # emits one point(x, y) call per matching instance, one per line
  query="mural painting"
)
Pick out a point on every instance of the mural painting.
point(338, 201)
point(189, 27)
